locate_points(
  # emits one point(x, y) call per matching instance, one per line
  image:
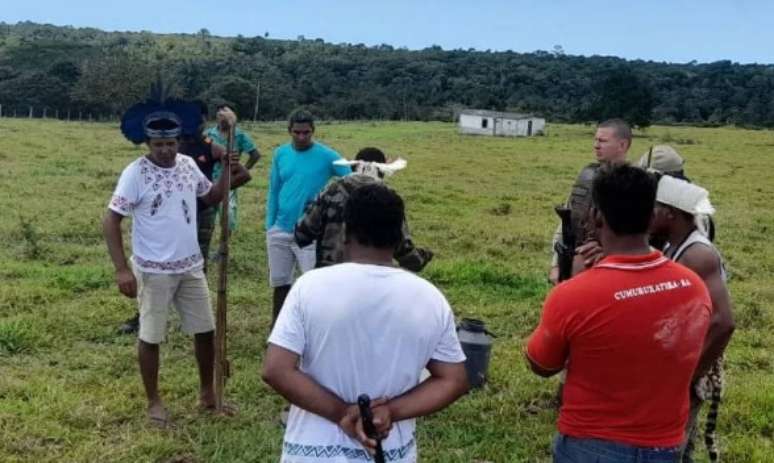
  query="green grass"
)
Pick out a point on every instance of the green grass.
point(69, 386)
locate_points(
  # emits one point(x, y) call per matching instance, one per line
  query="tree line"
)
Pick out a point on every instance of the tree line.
point(89, 70)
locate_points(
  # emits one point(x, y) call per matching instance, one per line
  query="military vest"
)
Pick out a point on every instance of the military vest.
point(579, 203)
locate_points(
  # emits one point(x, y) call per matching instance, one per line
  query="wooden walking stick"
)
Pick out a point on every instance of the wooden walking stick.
point(222, 366)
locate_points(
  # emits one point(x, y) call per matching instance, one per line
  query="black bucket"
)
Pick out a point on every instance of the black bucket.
point(476, 342)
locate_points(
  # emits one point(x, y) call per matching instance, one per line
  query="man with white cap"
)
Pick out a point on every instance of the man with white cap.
point(679, 217)
point(323, 221)
point(666, 160)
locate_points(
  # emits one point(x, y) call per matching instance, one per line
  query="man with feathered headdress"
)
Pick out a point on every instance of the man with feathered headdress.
point(159, 191)
point(323, 221)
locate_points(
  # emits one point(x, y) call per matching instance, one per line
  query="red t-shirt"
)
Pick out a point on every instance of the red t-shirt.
point(630, 331)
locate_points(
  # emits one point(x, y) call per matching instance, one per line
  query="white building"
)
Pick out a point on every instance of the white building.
point(482, 122)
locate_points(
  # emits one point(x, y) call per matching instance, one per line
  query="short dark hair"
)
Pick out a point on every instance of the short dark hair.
point(226, 106)
point(300, 116)
point(371, 154)
point(620, 127)
point(625, 195)
point(373, 216)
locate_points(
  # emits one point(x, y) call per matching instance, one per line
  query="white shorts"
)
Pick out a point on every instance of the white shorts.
point(284, 254)
point(189, 294)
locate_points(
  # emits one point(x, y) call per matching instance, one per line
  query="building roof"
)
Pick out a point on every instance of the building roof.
point(485, 113)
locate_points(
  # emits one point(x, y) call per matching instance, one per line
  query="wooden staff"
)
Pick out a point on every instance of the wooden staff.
point(222, 366)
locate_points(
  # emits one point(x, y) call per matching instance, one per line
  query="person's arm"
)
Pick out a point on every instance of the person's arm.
point(447, 382)
point(707, 265)
point(272, 198)
point(210, 193)
point(111, 228)
point(448, 379)
point(540, 370)
point(337, 170)
point(287, 343)
point(310, 226)
point(280, 371)
point(245, 144)
point(239, 174)
point(547, 349)
point(409, 256)
point(253, 157)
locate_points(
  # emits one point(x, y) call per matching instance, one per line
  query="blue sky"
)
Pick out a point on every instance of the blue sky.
point(661, 30)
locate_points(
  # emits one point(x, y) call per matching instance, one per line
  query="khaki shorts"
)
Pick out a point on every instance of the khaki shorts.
point(189, 294)
point(285, 257)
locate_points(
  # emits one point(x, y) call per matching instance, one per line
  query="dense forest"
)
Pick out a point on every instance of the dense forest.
point(66, 70)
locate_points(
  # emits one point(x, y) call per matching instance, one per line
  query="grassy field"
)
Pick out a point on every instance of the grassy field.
point(69, 386)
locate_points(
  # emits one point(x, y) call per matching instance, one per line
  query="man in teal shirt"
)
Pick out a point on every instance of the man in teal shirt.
point(299, 171)
point(226, 117)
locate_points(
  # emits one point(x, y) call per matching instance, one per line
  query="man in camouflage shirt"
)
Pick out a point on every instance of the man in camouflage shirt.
point(323, 220)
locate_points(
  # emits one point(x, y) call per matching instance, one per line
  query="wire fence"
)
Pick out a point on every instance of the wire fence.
point(44, 112)
point(69, 114)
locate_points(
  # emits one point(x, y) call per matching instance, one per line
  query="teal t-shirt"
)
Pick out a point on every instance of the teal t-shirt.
point(242, 144)
point(296, 178)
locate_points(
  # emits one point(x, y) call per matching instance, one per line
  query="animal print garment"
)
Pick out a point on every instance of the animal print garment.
point(707, 388)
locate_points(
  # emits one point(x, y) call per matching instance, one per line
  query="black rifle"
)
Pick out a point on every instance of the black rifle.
point(364, 403)
point(565, 248)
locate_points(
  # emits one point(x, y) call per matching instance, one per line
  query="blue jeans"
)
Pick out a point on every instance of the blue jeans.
point(572, 450)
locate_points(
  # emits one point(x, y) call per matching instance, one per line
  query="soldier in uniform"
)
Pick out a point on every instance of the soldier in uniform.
point(323, 220)
point(612, 141)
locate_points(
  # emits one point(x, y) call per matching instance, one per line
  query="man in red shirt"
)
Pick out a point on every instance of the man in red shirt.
point(629, 331)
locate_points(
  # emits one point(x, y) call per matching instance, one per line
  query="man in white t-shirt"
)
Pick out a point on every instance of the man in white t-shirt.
point(363, 327)
point(159, 192)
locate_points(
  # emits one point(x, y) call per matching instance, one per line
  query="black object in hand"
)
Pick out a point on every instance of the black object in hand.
point(364, 404)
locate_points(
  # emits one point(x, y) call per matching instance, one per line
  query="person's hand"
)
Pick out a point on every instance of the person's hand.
point(382, 417)
point(553, 276)
point(591, 252)
point(126, 282)
point(352, 424)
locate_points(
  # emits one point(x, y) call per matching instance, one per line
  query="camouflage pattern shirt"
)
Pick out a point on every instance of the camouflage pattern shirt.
point(323, 221)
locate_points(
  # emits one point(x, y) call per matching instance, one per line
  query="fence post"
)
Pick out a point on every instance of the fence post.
point(1, 110)
point(68, 114)
point(30, 112)
point(44, 112)
point(56, 114)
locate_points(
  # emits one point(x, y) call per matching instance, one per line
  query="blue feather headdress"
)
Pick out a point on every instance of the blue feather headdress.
point(160, 117)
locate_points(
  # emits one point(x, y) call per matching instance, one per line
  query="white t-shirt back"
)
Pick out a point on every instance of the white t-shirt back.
point(361, 329)
point(162, 203)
